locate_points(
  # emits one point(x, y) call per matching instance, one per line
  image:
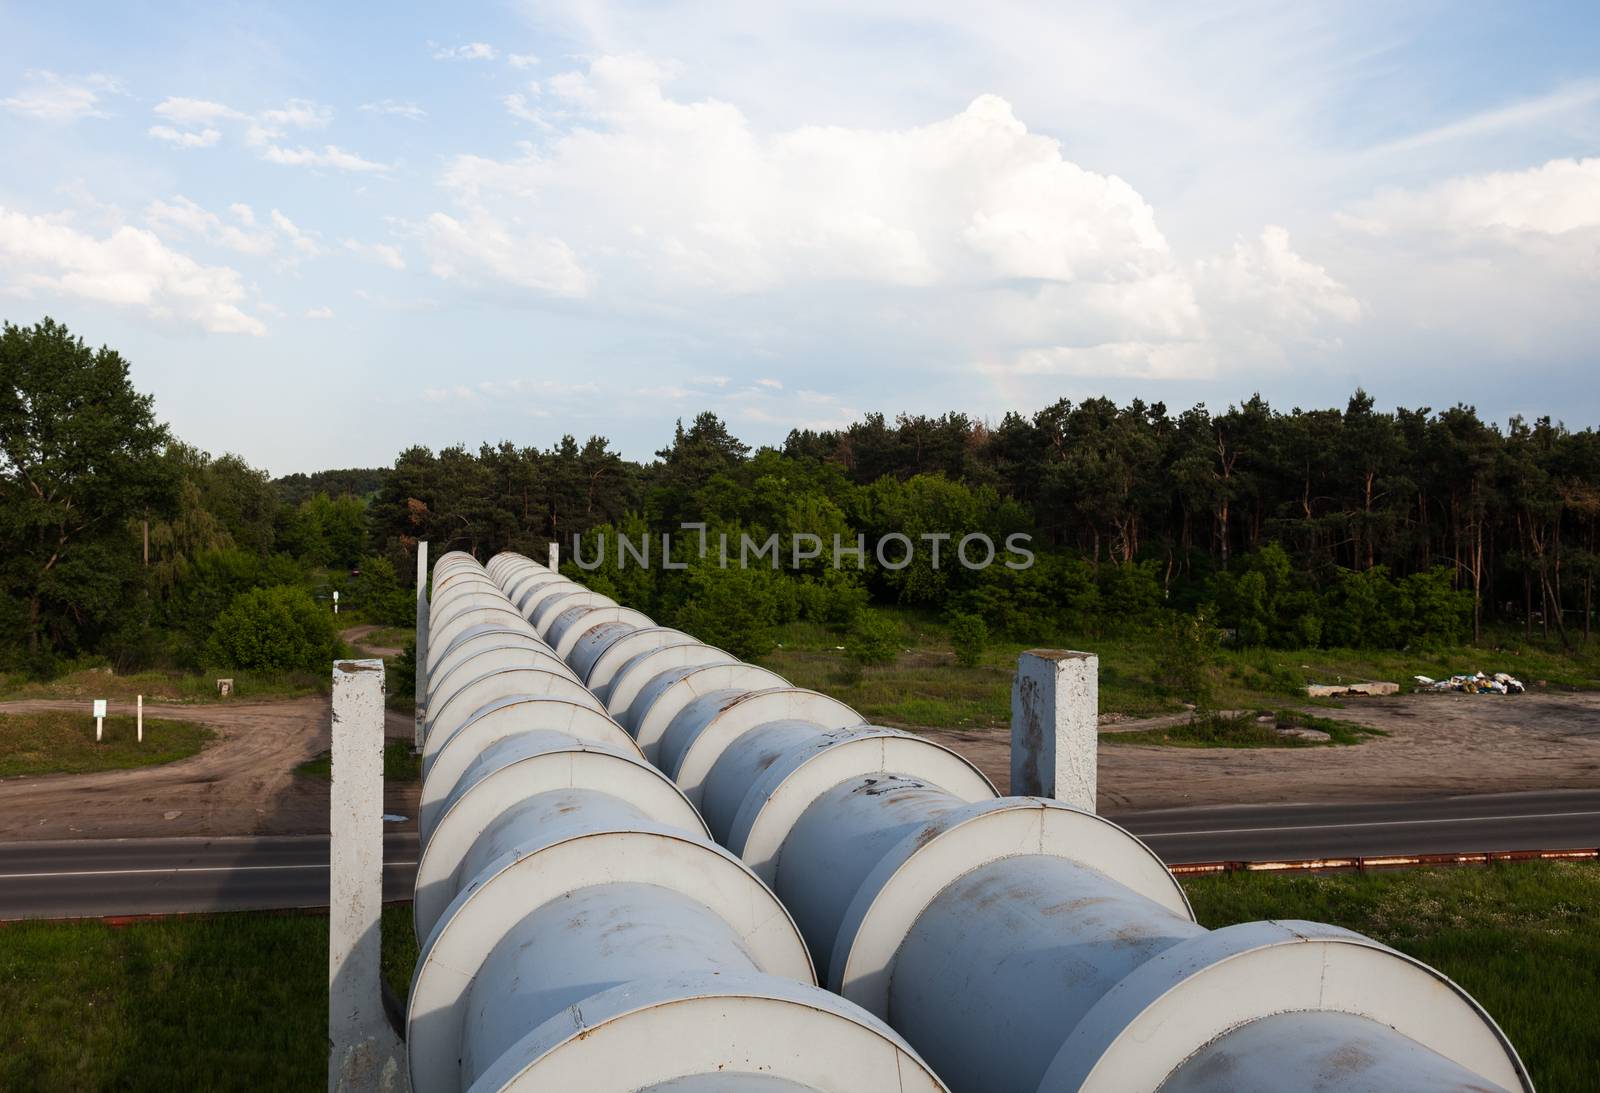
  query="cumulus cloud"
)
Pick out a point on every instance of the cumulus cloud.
point(319, 313)
point(183, 216)
point(329, 155)
point(521, 60)
point(306, 242)
point(130, 268)
point(1557, 197)
point(1015, 252)
point(1503, 262)
point(46, 96)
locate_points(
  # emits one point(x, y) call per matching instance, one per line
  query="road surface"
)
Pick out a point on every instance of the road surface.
point(75, 878)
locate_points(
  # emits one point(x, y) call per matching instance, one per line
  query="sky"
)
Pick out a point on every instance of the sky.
point(322, 233)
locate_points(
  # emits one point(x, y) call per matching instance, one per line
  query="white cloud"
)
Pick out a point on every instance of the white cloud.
point(521, 106)
point(186, 138)
point(130, 268)
point(195, 113)
point(481, 250)
point(319, 313)
point(385, 254)
point(194, 123)
point(984, 230)
point(328, 155)
point(46, 96)
point(1560, 196)
point(521, 60)
point(472, 51)
point(408, 110)
point(184, 216)
point(303, 241)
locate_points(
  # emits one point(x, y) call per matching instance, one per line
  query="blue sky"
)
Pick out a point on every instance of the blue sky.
point(324, 232)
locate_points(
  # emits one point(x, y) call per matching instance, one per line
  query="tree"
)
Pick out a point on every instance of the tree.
point(969, 637)
point(274, 629)
point(79, 457)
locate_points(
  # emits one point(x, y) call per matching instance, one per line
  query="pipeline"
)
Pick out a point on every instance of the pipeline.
point(579, 929)
point(1018, 944)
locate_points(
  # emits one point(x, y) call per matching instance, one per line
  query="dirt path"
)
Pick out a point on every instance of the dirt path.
point(1439, 745)
point(355, 635)
point(242, 784)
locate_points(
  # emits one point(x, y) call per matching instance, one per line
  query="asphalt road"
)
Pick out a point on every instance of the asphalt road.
point(76, 878)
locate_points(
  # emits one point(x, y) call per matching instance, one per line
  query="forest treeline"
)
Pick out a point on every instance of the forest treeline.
point(1348, 527)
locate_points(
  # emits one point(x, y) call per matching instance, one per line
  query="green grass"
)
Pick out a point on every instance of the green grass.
point(62, 742)
point(400, 764)
point(1523, 939)
point(159, 686)
point(388, 637)
point(1244, 730)
point(925, 688)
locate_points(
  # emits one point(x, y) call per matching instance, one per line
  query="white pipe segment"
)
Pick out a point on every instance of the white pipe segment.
point(569, 627)
point(1021, 945)
point(582, 932)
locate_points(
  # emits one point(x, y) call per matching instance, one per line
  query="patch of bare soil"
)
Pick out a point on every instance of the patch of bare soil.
point(356, 637)
point(1439, 745)
point(242, 784)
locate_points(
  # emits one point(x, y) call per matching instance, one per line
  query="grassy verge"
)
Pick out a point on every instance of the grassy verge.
point(59, 742)
point(926, 687)
point(1247, 730)
point(399, 764)
point(185, 687)
point(1524, 940)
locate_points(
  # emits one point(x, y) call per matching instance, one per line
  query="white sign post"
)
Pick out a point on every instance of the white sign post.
point(99, 718)
point(140, 711)
point(335, 601)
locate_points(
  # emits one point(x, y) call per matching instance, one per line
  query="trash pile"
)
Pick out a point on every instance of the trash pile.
point(1475, 684)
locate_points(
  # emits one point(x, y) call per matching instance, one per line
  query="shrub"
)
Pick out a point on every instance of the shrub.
point(274, 629)
point(733, 609)
point(969, 636)
point(873, 639)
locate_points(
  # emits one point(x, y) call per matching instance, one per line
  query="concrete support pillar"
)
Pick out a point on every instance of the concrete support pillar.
point(421, 644)
point(1055, 701)
point(364, 1054)
point(555, 557)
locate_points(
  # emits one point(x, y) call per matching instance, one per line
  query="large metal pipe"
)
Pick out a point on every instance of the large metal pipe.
point(579, 928)
point(1018, 943)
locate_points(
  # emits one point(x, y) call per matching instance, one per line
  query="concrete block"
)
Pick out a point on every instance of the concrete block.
point(421, 645)
point(364, 1053)
point(555, 557)
point(1055, 704)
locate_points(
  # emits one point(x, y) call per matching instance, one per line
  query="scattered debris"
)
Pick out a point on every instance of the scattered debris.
point(1475, 683)
point(1340, 690)
point(1314, 735)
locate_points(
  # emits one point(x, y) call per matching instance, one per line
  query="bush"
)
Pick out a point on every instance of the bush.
point(381, 596)
point(969, 636)
point(873, 639)
point(274, 629)
point(733, 609)
point(1185, 651)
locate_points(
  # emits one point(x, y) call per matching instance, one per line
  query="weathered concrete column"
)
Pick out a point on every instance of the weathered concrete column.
point(364, 1054)
point(1055, 702)
point(555, 558)
point(421, 645)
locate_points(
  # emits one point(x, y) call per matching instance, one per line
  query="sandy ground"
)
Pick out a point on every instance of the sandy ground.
point(355, 636)
point(1439, 745)
point(243, 783)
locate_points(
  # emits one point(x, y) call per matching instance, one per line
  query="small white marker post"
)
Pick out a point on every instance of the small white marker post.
point(1055, 705)
point(139, 712)
point(99, 718)
point(555, 557)
point(335, 601)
